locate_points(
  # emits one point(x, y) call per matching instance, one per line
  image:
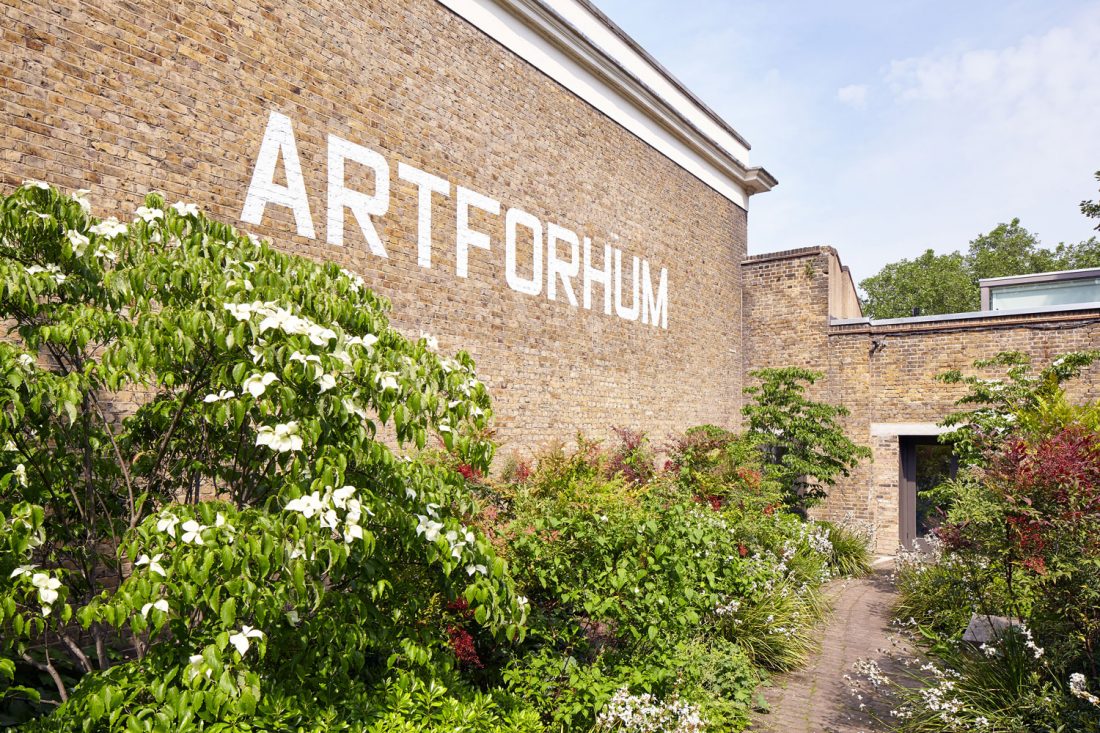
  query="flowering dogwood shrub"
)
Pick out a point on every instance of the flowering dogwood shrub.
point(240, 546)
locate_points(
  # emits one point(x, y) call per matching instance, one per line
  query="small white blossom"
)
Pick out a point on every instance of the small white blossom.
point(240, 639)
point(148, 215)
point(153, 563)
point(282, 438)
point(161, 605)
point(78, 241)
point(23, 570)
point(167, 523)
point(80, 196)
point(47, 588)
point(431, 341)
point(256, 384)
point(225, 394)
point(326, 382)
point(387, 380)
point(20, 473)
point(185, 209)
point(192, 532)
point(109, 228)
point(32, 183)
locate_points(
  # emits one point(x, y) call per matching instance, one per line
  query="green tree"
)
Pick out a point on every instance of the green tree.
point(806, 446)
point(949, 283)
point(1078, 256)
point(934, 283)
point(1009, 249)
point(1091, 209)
point(241, 549)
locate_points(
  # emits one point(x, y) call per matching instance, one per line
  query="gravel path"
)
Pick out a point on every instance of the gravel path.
point(816, 698)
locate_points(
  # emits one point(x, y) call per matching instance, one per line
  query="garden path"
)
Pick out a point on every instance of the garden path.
point(817, 698)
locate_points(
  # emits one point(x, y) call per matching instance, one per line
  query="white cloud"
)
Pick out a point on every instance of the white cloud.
point(853, 95)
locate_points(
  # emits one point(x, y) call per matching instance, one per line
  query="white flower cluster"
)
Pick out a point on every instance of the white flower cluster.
point(431, 529)
point(727, 609)
point(109, 228)
point(282, 437)
point(645, 714)
point(46, 584)
point(1029, 641)
point(276, 317)
point(325, 507)
point(51, 270)
point(1078, 687)
point(869, 668)
point(192, 534)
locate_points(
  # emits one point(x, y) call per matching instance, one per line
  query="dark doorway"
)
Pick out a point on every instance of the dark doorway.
point(925, 463)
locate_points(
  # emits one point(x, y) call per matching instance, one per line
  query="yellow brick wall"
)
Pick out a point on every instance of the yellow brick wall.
point(126, 96)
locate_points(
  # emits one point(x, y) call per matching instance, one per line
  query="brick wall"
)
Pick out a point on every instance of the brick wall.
point(885, 373)
point(122, 97)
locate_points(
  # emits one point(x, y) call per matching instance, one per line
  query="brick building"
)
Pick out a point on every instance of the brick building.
point(518, 177)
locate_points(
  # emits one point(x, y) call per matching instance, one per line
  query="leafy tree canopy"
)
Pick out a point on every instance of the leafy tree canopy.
point(803, 439)
point(949, 283)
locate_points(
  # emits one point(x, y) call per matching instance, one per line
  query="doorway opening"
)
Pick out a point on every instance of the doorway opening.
point(925, 463)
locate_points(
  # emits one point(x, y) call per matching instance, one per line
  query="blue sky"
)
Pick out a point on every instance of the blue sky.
point(900, 125)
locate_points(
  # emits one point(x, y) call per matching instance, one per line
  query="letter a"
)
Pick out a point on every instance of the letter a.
point(278, 138)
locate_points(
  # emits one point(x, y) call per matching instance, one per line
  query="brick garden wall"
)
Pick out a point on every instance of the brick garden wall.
point(885, 374)
point(123, 97)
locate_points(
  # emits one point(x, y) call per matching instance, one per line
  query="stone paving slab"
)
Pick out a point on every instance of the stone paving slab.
point(816, 698)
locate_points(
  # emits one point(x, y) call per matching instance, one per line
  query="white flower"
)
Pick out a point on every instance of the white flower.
point(387, 380)
point(308, 505)
point(365, 341)
point(20, 473)
point(161, 605)
point(340, 496)
point(185, 209)
point(357, 283)
point(225, 394)
point(431, 341)
point(109, 228)
point(481, 569)
point(167, 523)
point(240, 311)
point(445, 428)
point(192, 532)
point(23, 570)
point(149, 215)
point(327, 382)
point(305, 358)
point(32, 183)
point(256, 384)
point(153, 563)
point(281, 438)
point(429, 528)
point(80, 196)
point(103, 251)
point(240, 640)
point(352, 532)
point(47, 588)
point(78, 241)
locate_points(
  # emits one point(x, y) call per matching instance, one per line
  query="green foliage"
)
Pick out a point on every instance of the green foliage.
point(995, 405)
point(948, 283)
point(1021, 539)
point(239, 548)
point(934, 283)
point(627, 581)
point(805, 442)
point(1091, 209)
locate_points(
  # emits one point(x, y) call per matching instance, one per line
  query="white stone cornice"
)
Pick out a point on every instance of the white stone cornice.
point(578, 47)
